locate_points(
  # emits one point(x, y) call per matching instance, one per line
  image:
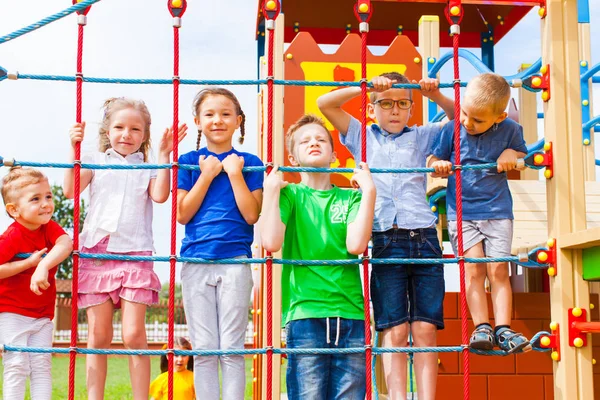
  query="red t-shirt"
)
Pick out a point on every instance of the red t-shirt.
point(15, 294)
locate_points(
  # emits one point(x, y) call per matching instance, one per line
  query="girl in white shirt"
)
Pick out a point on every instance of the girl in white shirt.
point(119, 221)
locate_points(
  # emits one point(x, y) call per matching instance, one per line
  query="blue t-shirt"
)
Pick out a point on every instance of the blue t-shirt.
point(485, 193)
point(218, 230)
point(401, 198)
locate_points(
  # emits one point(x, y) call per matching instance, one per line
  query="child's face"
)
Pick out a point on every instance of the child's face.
point(126, 131)
point(312, 147)
point(180, 362)
point(392, 120)
point(34, 206)
point(477, 120)
point(218, 119)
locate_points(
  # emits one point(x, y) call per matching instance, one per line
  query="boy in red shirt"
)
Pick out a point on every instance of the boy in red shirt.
point(27, 286)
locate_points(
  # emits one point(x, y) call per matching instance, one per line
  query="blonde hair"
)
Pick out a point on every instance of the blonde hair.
point(488, 91)
point(217, 91)
point(304, 120)
point(17, 179)
point(116, 104)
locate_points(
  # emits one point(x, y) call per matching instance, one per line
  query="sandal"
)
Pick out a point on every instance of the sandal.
point(482, 338)
point(511, 341)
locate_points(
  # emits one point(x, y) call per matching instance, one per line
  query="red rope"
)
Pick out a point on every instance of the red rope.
point(172, 265)
point(76, 199)
point(363, 98)
point(461, 262)
point(269, 264)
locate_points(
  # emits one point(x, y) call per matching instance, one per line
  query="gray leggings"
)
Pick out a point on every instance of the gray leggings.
point(216, 298)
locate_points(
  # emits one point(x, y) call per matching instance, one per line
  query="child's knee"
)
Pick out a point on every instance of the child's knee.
point(498, 273)
point(397, 335)
point(424, 333)
point(16, 365)
point(135, 338)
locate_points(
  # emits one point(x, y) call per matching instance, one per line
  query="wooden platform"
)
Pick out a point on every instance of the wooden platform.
point(529, 205)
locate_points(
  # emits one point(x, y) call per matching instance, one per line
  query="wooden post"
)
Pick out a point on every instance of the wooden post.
point(529, 121)
point(429, 45)
point(278, 143)
point(573, 378)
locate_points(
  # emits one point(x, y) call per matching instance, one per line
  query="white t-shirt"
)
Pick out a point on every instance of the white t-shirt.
point(120, 206)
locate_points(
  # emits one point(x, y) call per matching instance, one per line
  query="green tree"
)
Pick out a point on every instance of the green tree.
point(63, 215)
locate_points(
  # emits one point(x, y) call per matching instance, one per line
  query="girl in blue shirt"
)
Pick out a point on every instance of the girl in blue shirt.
point(218, 206)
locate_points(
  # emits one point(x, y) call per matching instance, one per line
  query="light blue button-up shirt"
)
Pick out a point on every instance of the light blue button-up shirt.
point(401, 198)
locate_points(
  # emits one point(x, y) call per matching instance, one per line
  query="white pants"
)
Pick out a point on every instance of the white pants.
point(18, 330)
point(216, 298)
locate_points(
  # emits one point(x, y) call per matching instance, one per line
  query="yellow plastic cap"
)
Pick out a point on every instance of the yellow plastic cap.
point(548, 174)
point(586, 141)
point(542, 256)
point(538, 159)
point(554, 355)
point(271, 5)
point(455, 10)
point(553, 326)
point(578, 342)
point(545, 96)
point(550, 242)
point(176, 3)
point(551, 271)
point(544, 69)
point(537, 81)
point(541, 11)
point(289, 56)
point(363, 8)
point(545, 341)
point(547, 146)
point(576, 312)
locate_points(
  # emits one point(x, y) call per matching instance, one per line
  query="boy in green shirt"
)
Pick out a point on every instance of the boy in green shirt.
point(322, 305)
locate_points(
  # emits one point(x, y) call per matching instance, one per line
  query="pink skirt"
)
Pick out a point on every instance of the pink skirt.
point(103, 280)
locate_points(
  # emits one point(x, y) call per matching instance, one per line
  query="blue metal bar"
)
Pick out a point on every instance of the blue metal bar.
point(585, 103)
point(590, 74)
point(594, 121)
point(487, 47)
point(583, 11)
point(433, 107)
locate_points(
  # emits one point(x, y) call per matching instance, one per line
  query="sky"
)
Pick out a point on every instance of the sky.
point(134, 38)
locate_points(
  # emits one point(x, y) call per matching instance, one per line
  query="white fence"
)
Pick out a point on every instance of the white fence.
point(156, 333)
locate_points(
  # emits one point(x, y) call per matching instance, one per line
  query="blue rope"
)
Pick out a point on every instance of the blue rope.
point(251, 169)
point(20, 32)
point(352, 261)
point(353, 350)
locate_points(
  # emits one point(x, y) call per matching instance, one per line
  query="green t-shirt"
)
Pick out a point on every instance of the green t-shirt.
point(316, 225)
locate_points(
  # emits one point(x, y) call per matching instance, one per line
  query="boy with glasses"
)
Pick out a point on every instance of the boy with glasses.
point(404, 225)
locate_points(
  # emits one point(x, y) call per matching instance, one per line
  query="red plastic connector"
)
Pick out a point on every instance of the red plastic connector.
point(552, 341)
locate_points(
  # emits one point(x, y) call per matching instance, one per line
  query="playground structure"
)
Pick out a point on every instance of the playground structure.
point(566, 170)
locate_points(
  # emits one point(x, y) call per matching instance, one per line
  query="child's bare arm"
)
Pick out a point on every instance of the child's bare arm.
point(430, 89)
point(272, 229)
point(443, 168)
point(331, 104)
point(159, 188)
point(61, 250)
point(76, 133)
point(188, 203)
point(359, 230)
point(16, 267)
point(248, 203)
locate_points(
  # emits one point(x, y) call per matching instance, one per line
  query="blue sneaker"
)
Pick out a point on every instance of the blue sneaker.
point(482, 338)
point(511, 341)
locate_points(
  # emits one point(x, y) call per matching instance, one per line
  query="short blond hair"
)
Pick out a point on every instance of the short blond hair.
point(488, 91)
point(304, 120)
point(17, 179)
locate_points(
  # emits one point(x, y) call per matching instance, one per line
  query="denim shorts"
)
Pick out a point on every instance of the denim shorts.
point(407, 292)
point(326, 376)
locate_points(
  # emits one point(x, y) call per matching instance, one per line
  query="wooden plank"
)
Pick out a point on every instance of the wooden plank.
point(581, 239)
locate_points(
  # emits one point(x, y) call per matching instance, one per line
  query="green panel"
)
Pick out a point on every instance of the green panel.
point(591, 264)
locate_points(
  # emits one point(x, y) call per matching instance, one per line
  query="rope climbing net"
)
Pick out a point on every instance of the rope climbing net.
point(271, 9)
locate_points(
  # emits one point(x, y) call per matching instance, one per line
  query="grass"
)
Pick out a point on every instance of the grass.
point(118, 386)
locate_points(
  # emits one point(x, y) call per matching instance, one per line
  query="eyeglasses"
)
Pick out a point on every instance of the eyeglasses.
point(388, 104)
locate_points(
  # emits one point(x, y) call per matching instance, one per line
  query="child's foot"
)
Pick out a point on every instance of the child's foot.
point(482, 338)
point(511, 341)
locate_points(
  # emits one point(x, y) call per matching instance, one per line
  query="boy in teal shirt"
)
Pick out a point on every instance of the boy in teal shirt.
point(322, 305)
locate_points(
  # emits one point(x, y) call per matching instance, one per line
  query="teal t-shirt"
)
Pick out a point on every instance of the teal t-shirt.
point(316, 226)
